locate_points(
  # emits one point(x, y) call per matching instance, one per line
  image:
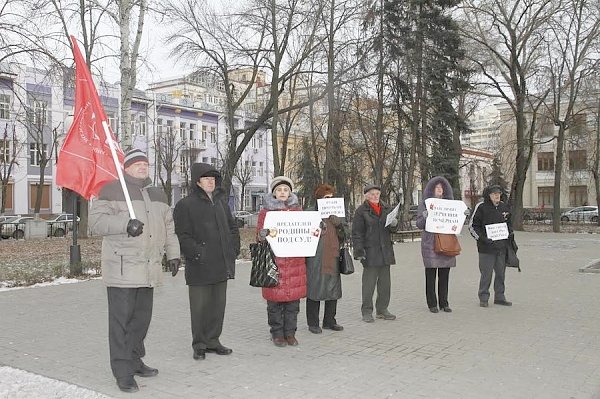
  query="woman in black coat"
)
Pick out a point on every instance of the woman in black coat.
point(210, 242)
point(373, 245)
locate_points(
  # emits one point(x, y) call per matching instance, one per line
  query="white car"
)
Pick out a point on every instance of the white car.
point(242, 217)
point(14, 227)
point(60, 224)
point(580, 214)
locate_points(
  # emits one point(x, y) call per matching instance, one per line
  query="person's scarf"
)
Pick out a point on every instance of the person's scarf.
point(376, 208)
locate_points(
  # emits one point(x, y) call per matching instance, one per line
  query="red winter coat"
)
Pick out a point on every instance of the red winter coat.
point(292, 271)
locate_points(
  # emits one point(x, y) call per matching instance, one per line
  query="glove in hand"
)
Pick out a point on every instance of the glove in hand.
point(425, 213)
point(467, 212)
point(394, 222)
point(262, 234)
point(134, 227)
point(174, 266)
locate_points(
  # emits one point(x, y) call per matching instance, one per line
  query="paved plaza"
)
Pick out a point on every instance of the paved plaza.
point(547, 345)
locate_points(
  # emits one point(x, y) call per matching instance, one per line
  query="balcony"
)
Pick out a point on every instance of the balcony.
point(198, 145)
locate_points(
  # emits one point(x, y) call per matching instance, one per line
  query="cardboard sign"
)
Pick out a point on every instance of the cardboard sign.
point(293, 234)
point(331, 206)
point(444, 216)
point(497, 231)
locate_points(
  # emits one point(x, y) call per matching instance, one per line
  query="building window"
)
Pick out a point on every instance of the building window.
point(169, 128)
point(5, 152)
point(40, 113)
point(579, 125)
point(159, 126)
point(112, 121)
point(213, 135)
point(545, 196)
point(8, 204)
point(545, 161)
point(183, 164)
point(192, 131)
point(260, 141)
point(253, 168)
point(142, 125)
point(204, 159)
point(204, 129)
point(35, 153)
point(261, 169)
point(213, 162)
point(578, 195)
point(4, 106)
point(182, 130)
point(577, 160)
point(45, 196)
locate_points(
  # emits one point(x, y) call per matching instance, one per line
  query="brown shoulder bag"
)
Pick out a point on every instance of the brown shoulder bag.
point(446, 244)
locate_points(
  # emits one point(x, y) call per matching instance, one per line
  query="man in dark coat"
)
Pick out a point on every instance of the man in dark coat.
point(210, 242)
point(492, 254)
point(373, 246)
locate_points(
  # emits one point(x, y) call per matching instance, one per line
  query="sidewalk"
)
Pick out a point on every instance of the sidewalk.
point(547, 345)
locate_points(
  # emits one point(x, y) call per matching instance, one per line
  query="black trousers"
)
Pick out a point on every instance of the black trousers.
point(283, 318)
point(207, 311)
point(443, 274)
point(129, 315)
point(376, 277)
point(488, 263)
point(312, 312)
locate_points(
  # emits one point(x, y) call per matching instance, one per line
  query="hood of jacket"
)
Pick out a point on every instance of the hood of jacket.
point(271, 203)
point(200, 169)
point(486, 195)
point(430, 188)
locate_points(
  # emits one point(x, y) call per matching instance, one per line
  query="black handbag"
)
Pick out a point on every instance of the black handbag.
point(345, 262)
point(511, 254)
point(264, 272)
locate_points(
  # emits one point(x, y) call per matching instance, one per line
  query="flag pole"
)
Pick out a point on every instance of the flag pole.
point(113, 152)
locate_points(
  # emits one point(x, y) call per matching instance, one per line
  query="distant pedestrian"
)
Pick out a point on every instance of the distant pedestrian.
point(436, 265)
point(322, 270)
point(210, 242)
point(492, 254)
point(132, 253)
point(373, 246)
point(283, 301)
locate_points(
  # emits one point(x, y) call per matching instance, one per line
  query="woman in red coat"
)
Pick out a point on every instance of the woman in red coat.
point(283, 301)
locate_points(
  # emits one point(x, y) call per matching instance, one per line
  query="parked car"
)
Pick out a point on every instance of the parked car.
point(60, 224)
point(242, 217)
point(14, 227)
point(581, 213)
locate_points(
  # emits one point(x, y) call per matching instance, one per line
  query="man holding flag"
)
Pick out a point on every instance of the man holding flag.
point(89, 163)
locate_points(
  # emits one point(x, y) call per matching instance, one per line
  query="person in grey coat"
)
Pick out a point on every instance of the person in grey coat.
point(322, 271)
point(435, 264)
point(132, 253)
point(373, 246)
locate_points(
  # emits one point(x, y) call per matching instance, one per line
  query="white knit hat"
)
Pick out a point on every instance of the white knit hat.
point(281, 180)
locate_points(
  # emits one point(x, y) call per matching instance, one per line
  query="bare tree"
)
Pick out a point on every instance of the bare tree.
point(506, 40)
point(244, 173)
point(167, 147)
point(572, 60)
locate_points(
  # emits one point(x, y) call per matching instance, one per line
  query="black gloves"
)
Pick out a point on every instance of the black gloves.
point(174, 266)
point(511, 235)
point(487, 241)
point(359, 254)
point(134, 227)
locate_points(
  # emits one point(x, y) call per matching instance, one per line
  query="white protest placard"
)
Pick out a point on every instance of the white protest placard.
point(331, 206)
point(497, 231)
point(444, 216)
point(392, 215)
point(293, 233)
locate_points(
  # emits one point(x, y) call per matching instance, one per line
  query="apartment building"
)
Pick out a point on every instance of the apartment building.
point(36, 112)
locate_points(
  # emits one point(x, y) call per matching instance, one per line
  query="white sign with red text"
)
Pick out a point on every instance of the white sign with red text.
point(293, 233)
point(444, 216)
point(331, 206)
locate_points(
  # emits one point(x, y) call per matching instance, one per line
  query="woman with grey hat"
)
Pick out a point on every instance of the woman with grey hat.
point(492, 253)
point(373, 246)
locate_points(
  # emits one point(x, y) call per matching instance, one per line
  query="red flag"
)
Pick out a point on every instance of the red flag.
point(85, 162)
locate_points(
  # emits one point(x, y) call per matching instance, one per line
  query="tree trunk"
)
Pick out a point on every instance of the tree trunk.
point(558, 168)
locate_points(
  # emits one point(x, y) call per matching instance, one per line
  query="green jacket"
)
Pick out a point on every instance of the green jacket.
point(132, 262)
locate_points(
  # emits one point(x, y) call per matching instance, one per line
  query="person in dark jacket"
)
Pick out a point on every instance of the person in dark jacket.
point(210, 242)
point(374, 248)
point(132, 253)
point(322, 271)
point(435, 264)
point(492, 254)
point(283, 300)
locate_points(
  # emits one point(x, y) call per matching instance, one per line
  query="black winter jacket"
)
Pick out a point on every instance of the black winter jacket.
point(207, 232)
point(487, 213)
point(370, 237)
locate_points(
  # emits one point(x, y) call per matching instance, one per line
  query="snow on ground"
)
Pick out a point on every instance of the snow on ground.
point(58, 281)
point(19, 384)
